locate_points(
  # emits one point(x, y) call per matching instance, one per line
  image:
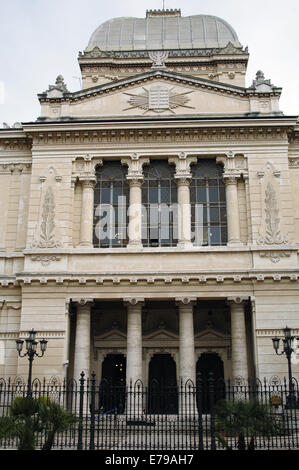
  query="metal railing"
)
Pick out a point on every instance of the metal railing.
point(163, 416)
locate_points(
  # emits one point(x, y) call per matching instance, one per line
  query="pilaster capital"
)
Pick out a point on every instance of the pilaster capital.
point(84, 166)
point(83, 301)
point(234, 166)
point(13, 304)
point(237, 301)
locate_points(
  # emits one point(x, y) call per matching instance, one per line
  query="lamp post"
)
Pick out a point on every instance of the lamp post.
point(31, 348)
point(287, 350)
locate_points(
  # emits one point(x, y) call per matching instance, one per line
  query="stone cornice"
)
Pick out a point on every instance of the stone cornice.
point(196, 54)
point(151, 75)
point(200, 278)
point(183, 130)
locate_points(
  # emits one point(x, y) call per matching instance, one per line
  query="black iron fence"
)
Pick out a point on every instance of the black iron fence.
point(204, 415)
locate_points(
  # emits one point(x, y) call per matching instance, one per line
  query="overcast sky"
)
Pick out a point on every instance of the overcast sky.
point(40, 39)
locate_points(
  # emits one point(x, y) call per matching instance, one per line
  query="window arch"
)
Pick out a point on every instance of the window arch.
point(208, 204)
point(111, 199)
point(159, 200)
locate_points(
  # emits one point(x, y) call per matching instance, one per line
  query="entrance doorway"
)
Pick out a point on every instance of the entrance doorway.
point(114, 369)
point(113, 384)
point(162, 385)
point(210, 363)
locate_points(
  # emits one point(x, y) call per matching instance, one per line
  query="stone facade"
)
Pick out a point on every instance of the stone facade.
point(181, 301)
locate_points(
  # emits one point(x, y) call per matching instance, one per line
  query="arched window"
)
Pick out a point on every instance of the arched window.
point(159, 200)
point(208, 204)
point(111, 200)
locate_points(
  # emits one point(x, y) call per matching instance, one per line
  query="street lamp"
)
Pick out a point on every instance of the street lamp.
point(31, 348)
point(287, 350)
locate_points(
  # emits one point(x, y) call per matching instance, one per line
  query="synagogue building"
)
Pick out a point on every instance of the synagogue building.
point(149, 223)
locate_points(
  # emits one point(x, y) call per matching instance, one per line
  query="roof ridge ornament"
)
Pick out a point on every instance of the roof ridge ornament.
point(158, 58)
point(163, 12)
point(260, 84)
point(59, 88)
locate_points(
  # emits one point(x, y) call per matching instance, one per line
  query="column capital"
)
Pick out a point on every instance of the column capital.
point(185, 301)
point(136, 181)
point(88, 181)
point(133, 301)
point(230, 178)
point(183, 179)
point(135, 164)
point(182, 163)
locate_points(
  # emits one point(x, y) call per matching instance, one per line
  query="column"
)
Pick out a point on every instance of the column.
point(186, 343)
point(238, 337)
point(184, 209)
point(135, 398)
point(187, 367)
point(232, 210)
point(87, 209)
point(135, 213)
point(183, 178)
point(82, 339)
point(135, 179)
point(134, 339)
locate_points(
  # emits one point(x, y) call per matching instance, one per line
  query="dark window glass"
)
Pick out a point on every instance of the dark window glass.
point(208, 204)
point(111, 200)
point(159, 199)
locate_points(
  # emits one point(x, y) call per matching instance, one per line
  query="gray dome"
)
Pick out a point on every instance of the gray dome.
point(163, 32)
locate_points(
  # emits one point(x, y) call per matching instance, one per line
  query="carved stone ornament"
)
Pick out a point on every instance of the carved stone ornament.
point(135, 167)
point(275, 256)
point(158, 99)
point(158, 58)
point(272, 231)
point(182, 165)
point(45, 260)
point(47, 237)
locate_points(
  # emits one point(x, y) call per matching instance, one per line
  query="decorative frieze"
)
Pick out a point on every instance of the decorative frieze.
point(45, 260)
point(275, 256)
point(125, 280)
point(167, 135)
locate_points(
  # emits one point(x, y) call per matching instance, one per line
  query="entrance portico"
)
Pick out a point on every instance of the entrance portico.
point(142, 335)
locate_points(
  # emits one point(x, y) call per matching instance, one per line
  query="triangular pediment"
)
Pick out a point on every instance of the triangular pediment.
point(111, 335)
point(161, 335)
point(161, 93)
point(210, 334)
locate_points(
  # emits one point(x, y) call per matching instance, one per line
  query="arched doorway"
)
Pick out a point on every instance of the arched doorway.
point(112, 388)
point(210, 363)
point(162, 385)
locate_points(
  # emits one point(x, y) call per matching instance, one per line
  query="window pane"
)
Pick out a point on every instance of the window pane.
point(208, 193)
point(105, 196)
point(201, 194)
point(213, 194)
